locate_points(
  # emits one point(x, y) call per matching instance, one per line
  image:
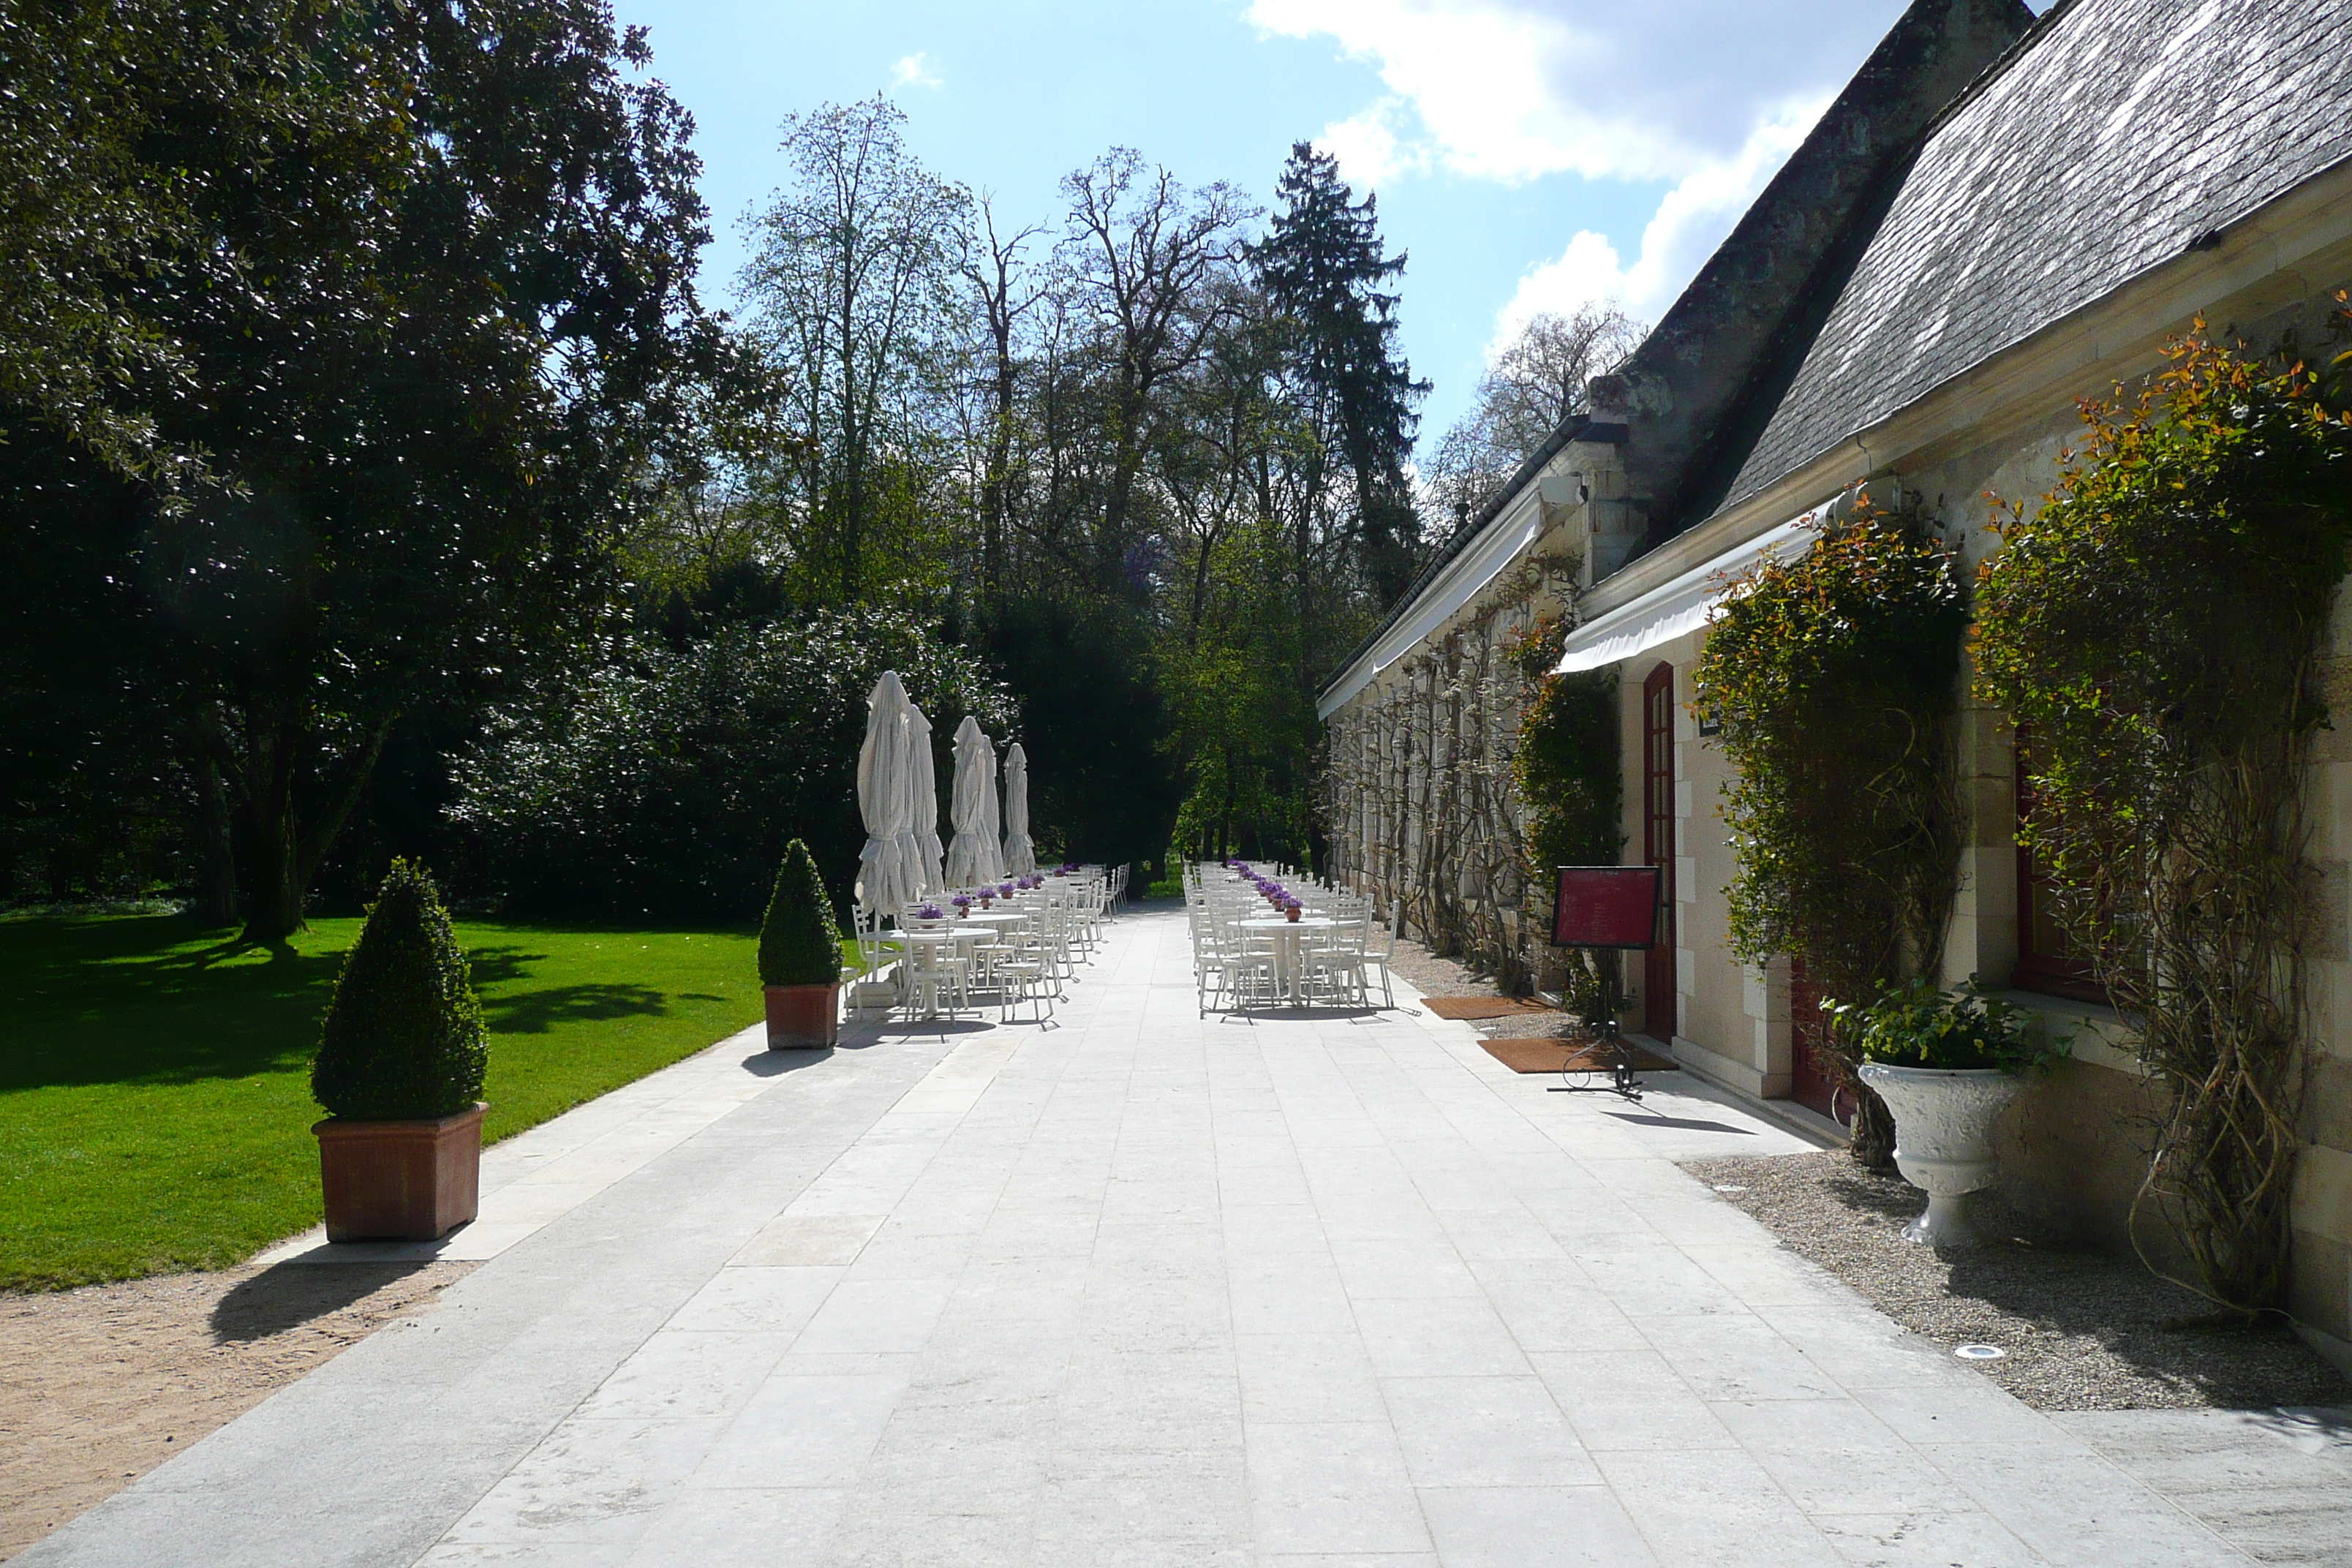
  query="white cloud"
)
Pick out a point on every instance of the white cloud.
point(1692, 219)
point(1516, 90)
point(915, 71)
point(1708, 97)
point(1367, 146)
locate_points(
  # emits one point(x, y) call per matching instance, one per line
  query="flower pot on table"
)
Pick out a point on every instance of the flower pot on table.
point(802, 1017)
point(1944, 1119)
point(400, 1181)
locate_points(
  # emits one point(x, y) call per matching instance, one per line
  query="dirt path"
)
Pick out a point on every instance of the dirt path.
point(100, 1385)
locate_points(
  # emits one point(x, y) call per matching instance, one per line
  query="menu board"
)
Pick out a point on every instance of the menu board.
point(1607, 906)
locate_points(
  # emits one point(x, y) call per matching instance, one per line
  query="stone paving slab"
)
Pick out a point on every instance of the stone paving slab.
point(1148, 1288)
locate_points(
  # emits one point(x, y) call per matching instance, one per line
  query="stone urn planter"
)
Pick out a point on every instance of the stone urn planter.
point(1943, 1138)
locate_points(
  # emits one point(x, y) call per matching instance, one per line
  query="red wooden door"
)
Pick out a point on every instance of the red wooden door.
point(1658, 846)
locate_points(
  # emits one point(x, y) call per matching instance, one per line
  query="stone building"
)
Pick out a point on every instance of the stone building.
point(1998, 216)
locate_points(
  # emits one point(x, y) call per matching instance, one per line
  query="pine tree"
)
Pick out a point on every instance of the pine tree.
point(404, 1036)
point(1323, 266)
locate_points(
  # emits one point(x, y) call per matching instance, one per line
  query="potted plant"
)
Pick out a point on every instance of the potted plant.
point(1947, 1064)
point(401, 1060)
point(800, 957)
point(1290, 907)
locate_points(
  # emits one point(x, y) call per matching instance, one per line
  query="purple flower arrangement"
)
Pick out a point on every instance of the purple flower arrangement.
point(930, 913)
point(963, 903)
point(1003, 889)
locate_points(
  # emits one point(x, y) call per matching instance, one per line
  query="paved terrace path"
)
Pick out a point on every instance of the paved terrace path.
point(1146, 1289)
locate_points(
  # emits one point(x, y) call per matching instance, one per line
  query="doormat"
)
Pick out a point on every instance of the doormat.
point(1569, 1056)
point(1482, 1006)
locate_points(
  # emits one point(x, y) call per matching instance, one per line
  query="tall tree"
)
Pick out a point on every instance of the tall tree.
point(853, 286)
point(1151, 266)
point(423, 370)
point(1324, 267)
point(1005, 293)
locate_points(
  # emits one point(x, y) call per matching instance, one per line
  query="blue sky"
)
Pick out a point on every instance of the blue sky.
point(1527, 154)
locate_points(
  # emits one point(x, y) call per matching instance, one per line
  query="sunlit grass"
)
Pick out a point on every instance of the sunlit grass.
point(154, 1080)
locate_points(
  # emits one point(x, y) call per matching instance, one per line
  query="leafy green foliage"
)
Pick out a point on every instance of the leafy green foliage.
point(799, 942)
point(2154, 627)
point(404, 1036)
point(1094, 717)
point(1567, 771)
point(1567, 764)
point(1917, 1026)
point(1835, 678)
point(422, 376)
point(667, 781)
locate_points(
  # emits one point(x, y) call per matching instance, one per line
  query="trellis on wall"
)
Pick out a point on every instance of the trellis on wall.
point(1420, 790)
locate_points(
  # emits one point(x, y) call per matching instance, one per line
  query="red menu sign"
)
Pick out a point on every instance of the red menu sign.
point(1606, 905)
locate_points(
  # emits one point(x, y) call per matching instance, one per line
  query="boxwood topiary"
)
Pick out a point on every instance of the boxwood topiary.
point(404, 1036)
point(798, 944)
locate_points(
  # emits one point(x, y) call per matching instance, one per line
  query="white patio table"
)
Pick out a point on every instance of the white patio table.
point(1289, 966)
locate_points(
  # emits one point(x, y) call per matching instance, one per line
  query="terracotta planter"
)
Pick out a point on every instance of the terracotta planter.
point(1290, 915)
point(1943, 1138)
point(400, 1181)
point(802, 1017)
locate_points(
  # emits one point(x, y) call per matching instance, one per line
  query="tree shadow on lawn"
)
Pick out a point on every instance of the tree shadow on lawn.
point(288, 1295)
point(537, 1012)
point(129, 1001)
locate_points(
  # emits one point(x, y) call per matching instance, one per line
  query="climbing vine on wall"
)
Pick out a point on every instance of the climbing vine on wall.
point(1567, 770)
point(1835, 678)
point(2155, 627)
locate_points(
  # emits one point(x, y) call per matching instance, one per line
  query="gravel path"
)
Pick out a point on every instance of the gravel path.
point(2083, 1330)
point(1435, 977)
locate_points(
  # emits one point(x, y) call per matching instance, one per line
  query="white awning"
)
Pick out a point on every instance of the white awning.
point(1683, 605)
point(1502, 540)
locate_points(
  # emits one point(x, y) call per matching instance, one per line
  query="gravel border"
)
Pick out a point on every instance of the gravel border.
point(2083, 1330)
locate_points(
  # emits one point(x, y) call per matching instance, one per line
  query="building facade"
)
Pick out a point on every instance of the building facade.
point(2000, 216)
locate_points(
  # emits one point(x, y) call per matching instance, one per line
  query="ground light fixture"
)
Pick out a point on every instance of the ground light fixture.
point(1980, 1353)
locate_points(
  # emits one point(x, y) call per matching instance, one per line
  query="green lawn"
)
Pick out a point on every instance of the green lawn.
point(154, 1082)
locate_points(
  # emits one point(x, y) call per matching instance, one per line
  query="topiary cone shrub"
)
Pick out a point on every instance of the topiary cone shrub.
point(404, 1036)
point(401, 1062)
point(800, 957)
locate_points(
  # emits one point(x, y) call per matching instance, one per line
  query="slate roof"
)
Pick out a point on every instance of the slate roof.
point(2115, 136)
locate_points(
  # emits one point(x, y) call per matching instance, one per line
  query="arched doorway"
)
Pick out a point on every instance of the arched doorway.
point(1658, 847)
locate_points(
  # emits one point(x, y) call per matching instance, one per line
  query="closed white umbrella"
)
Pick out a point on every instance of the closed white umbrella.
point(991, 825)
point(1020, 855)
point(886, 870)
point(927, 802)
point(972, 855)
